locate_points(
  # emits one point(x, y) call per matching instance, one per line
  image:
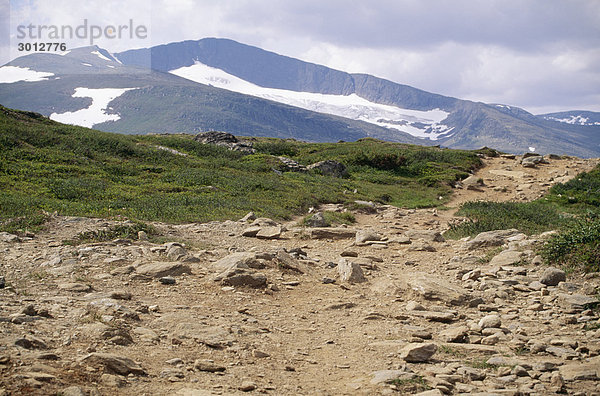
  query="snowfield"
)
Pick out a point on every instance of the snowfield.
point(101, 56)
point(11, 74)
point(96, 113)
point(574, 120)
point(422, 124)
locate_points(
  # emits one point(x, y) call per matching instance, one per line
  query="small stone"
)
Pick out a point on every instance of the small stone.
point(75, 287)
point(142, 236)
point(553, 276)
point(520, 371)
point(457, 334)
point(414, 306)
point(490, 340)
point(350, 272)
point(208, 366)
point(260, 354)
point(488, 321)
point(327, 280)
point(73, 391)
point(114, 363)
point(167, 280)
point(247, 386)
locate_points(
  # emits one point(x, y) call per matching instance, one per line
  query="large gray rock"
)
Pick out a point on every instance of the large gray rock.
point(491, 238)
point(553, 276)
point(114, 363)
point(418, 353)
point(329, 168)
point(224, 139)
point(160, 269)
point(350, 272)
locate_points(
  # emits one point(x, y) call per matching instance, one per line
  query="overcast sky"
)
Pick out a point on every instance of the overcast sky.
point(541, 55)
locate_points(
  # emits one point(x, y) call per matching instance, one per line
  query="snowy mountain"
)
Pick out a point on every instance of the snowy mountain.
point(574, 117)
point(220, 84)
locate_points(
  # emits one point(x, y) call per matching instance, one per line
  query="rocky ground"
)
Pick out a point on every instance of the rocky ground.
point(385, 306)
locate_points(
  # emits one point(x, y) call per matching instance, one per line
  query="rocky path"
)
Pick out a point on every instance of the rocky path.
point(385, 306)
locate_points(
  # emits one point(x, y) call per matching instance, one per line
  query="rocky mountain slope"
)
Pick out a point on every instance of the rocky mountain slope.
point(385, 306)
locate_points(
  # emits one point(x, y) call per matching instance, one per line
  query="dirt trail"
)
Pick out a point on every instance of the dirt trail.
point(72, 313)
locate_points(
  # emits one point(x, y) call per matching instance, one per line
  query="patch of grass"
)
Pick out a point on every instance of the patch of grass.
point(448, 350)
point(48, 166)
point(124, 231)
point(412, 385)
point(528, 217)
point(29, 223)
point(480, 363)
point(577, 246)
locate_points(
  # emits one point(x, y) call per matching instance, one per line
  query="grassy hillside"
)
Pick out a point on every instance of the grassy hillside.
point(48, 166)
point(572, 208)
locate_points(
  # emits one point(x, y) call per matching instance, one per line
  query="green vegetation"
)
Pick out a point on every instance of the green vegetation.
point(572, 208)
point(412, 385)
point(124, 231)
point(50, 167)
point(577, 246)
point(529, 217)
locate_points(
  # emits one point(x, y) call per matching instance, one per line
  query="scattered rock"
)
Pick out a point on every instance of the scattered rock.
point(317, 220)
point(418, 353)
point(75, 287)
point(350, 272)
point(490, 321)
point(363, 236)
point(208, 366)
point(491, 238)
point(332, 233)
point(114, 363)
point(426, 235)
point(553, 276)
point(329, 168)
point(159, 270)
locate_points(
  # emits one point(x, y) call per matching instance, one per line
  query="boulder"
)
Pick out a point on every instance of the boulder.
point(364, 236)
point(273, 232)
point(329, 168)
point(242, 260)
point(553, 276)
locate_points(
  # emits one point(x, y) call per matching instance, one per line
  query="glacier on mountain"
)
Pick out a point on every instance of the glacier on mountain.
point(422, 124)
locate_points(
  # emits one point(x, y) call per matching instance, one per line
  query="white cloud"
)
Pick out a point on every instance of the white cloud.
point(537, 54)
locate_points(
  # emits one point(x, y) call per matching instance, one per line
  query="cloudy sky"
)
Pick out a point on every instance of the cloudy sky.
point(542, 55)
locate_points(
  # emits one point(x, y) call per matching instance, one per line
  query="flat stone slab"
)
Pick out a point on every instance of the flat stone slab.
point(332, 233)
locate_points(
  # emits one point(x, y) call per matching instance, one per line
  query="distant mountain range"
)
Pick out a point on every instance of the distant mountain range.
point(220, 84)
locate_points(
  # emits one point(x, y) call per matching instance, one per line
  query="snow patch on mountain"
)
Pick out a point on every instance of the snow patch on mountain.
point(96, 113)
point(101, 56)
point(574, 120)
point(11, 74)
point(422, 124)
